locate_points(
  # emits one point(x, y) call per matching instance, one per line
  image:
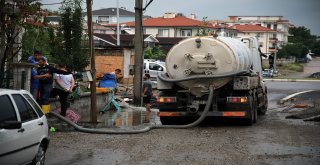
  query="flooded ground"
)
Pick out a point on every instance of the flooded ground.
point(272, 140)
point(127, 117)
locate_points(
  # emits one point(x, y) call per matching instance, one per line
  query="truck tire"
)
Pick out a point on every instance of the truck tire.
point(262, 110)
point(251, 119)
point(255, 108)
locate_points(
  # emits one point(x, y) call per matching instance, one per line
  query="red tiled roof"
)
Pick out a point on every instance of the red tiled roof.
point(178, 21)
point(255, 28)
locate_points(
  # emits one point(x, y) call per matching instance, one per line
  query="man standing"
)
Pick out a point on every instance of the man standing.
point(34, 83)
point(44, 75)
point(45, 81)
point(36, 57)
point(147, 92)
point(271, 61)
point(119, 75)
point(63, 87)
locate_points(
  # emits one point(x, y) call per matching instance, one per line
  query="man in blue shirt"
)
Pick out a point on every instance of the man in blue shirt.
point(34, 83)
point(36, 57)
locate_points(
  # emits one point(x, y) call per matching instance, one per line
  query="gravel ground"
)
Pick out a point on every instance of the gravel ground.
point(272, 140)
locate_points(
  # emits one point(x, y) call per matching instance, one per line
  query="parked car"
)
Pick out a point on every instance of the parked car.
point(154, 67)
point(23, 129)
point(269, 73)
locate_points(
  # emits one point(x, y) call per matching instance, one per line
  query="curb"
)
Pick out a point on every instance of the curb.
point(285, 99)
point(290, 80)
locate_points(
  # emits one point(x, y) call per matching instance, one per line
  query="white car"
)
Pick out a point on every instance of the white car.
point(23, 129)
point(153, 68)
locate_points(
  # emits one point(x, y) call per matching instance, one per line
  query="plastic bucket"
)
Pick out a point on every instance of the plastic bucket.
point(46, 108)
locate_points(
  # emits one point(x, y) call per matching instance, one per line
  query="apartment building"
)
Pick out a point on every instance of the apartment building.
point(109, 16)
point(267, 37)
point(279, 25)
point(173, 25)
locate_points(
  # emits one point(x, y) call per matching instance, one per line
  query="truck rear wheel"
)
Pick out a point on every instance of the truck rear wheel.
point(252, 112)
point(262, 110)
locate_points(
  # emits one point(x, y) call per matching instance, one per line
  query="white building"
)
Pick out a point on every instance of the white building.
point(272, 22)
point(173, 25)
point(280, 27)
point(266, 37)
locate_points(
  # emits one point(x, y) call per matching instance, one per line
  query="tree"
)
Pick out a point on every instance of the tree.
point(12, 22)
point(204, 31)
point(300, 42)
point(73, 54)
point(316, 47)
point(154, 53)
point(301, 35)
point(35, 38)
point(293, 49)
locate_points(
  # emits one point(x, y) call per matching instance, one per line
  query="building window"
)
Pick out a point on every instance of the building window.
point(275, 27)
point(258, 35)
point(103, 19)
point(113, 19)
point(163, 32)
point(269, 26)
point(186, 33)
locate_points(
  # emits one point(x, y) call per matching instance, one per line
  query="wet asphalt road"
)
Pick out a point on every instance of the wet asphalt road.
point(272, 140)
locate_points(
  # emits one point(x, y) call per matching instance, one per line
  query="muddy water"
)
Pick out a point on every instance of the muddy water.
point(125, 118)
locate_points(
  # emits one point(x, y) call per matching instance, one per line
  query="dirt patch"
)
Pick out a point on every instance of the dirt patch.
point(304, 113)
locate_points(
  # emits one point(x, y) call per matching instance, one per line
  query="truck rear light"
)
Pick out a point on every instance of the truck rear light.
point(235, 114)
point(168, 114)
point(237, 99)
point(166, 99)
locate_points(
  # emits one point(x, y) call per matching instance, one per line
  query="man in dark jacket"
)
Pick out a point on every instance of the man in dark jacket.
point(147, 92)
point(45, 73)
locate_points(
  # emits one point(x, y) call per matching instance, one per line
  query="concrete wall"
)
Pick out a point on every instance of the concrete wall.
point(21, 75)
point(82, 105)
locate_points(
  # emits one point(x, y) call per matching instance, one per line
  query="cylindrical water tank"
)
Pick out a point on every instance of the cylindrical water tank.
point(207, 56)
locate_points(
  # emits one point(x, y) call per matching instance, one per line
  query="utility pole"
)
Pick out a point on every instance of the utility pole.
point(118, 26)
point(275, 56)
point(138, 54)
point(93, 66)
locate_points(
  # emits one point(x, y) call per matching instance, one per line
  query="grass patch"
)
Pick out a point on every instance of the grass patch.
point(290, 68)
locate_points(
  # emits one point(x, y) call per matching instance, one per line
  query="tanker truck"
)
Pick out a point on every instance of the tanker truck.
point(232, 66)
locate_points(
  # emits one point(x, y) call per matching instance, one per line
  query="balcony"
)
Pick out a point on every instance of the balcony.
point(273, 39)
point(272, 49)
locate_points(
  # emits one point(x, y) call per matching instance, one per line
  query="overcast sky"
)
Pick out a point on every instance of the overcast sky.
point(299, 12)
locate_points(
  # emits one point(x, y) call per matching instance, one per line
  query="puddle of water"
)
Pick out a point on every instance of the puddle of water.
point(125, 118)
